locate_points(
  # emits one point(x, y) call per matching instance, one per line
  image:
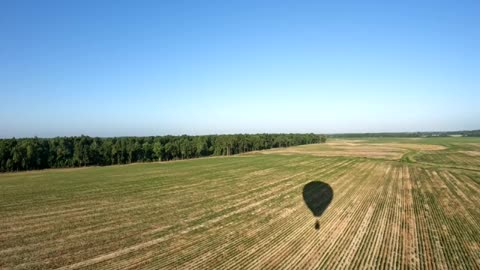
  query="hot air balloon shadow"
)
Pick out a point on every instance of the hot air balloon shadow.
point(317, 196)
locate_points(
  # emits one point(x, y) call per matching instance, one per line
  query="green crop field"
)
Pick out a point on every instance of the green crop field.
point(397, 204)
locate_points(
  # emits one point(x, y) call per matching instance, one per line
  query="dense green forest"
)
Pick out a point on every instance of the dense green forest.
point(60, 152)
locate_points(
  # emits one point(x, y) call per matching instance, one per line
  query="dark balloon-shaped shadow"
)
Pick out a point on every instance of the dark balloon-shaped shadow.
point(317, 196)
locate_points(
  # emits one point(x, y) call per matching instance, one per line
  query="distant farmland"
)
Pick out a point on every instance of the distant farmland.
point(397, 203)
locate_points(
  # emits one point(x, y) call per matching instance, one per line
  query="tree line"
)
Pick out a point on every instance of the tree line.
point(463, 133)
point(64, 152)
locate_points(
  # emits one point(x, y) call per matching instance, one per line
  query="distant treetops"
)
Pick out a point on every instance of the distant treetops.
point(60, 152)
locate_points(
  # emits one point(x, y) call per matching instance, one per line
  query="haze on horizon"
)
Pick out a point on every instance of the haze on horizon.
point(120, 68)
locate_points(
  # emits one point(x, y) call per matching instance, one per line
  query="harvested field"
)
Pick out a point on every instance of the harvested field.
point(471, 153)
point(358, 148)
point(247, 211)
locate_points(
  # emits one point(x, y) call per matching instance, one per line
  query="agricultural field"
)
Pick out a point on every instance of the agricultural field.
point(395, 204)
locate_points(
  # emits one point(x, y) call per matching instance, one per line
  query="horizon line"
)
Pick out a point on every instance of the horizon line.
point(258, 133)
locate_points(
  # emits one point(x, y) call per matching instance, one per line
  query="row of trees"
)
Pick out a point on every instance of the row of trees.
point(59, 152)
point(464, 133)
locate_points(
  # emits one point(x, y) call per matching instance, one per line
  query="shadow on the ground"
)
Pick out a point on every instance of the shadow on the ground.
point(317, 196)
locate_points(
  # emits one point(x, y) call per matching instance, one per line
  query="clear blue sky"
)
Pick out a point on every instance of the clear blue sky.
point(116, 68)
